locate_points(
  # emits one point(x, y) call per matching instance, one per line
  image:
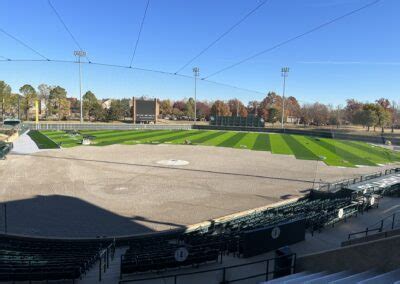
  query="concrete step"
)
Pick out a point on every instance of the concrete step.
point(385, 278)
point(285, 278)
point(354, 278)
point(305, 278)
point(328, 278)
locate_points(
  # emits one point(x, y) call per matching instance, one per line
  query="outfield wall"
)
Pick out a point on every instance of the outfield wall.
point(103, 126)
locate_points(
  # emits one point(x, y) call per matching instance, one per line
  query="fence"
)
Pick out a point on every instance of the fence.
point(103, 126)
point(224, 274)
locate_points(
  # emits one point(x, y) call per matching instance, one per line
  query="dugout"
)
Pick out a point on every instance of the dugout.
point(12, 122)
point(145, 111)
point(249, 121)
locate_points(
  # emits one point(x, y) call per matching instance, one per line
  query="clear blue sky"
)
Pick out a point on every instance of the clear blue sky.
point(357, 57)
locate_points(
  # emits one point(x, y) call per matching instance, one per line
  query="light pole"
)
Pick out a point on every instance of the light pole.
point(79, 54)
point(196, 73)
point(285, 71)
point(19, 97)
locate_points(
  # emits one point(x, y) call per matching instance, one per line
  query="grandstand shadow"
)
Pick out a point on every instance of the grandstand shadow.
point(178, 169)
point(66, 216)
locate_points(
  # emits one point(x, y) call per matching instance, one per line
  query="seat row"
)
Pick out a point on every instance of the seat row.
point(27, 259)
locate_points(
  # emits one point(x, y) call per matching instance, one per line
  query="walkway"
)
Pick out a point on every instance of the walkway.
point(24, 145)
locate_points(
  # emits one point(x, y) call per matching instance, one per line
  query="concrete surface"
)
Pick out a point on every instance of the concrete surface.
point(24, 145)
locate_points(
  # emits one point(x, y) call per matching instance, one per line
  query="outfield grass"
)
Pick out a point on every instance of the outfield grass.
point(42, 141)
point(332, 151)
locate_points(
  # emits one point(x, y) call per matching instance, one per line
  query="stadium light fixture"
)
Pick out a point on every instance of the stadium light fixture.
point(196, 74)
point(79, 54)
point(285, 71)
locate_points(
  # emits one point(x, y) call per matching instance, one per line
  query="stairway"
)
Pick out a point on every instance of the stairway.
point(112, 273)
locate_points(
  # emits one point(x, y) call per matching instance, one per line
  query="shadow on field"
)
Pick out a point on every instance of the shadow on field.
point(65, 216)
point(177, 169)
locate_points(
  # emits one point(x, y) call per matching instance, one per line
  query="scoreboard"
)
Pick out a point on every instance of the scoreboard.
point(145, 111)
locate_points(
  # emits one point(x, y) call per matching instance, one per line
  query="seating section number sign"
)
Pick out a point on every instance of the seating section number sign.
point(275, 233)
point(181, 254)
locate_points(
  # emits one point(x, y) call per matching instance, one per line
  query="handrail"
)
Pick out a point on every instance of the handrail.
point(293, 256)
point(361, 178)
point(104, 255)
point(380, 223)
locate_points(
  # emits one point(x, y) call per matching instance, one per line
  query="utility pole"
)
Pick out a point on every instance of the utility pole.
point(285, 71)
point(196, 73)
point(2, 110)
point(79, 54)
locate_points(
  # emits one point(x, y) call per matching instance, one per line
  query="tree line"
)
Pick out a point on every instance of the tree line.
point(56, 105)
point(381, 113)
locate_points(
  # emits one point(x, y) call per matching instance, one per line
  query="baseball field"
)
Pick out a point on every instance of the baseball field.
point(333, 152)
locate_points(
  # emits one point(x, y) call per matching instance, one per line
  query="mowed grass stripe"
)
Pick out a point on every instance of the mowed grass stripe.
point(197, 135)
point(129, 134)
point(262, 143)
point(232, 141)
point(360, 153)
point(51, 132)
point(41, 140)
point(330, 158)
point(181, 134)
point(100, 132)
point(299, 150)
point(158, 138)
point(135, 136)
point(279, 145)
point(65, 140)
point(345, 155)
point(58, 134)
point(247, 141)
point(212, 135)
point(219, 139)
point(120, 133)
point(379, 152)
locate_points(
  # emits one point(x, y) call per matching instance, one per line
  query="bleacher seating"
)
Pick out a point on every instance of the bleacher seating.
point(226, 237)
point(163, 257)
point(27, 259)
point(5, 148)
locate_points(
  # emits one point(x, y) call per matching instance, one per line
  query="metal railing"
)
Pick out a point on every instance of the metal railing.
point(388, 223)
point(104, 258)
point(267, 274)
point(344, 183)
